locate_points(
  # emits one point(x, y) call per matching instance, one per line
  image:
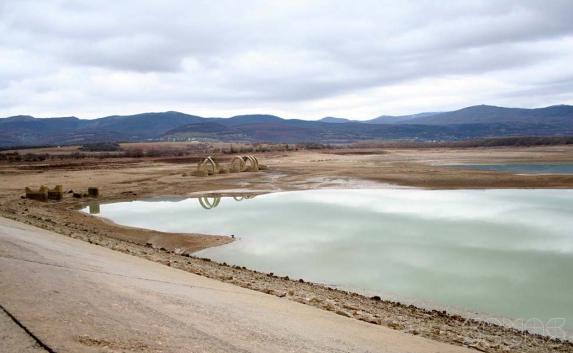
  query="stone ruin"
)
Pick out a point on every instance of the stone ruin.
point(45, 193)
point(238, 164)
point(93, 191)
point(40, 195)
point(57, 193)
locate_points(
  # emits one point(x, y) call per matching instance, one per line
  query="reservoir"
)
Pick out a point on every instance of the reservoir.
point(508, 253)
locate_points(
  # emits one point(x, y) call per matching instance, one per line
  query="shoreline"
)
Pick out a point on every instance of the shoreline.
point(429, 323)
point(285, 174)
point(420, 303)
point(130, 304)
point(441, 325)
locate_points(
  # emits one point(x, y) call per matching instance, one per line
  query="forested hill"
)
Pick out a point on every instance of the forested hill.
point(472, 122)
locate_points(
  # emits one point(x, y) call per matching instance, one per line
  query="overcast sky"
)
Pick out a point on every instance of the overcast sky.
point(297, 59)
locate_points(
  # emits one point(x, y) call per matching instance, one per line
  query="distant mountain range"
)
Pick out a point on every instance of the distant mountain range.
point(480, 121)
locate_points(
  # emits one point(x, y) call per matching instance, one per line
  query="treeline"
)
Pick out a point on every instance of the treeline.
point(101, 147)
point(150, 150)
point(16, 156)
point(257, 148)
point(518, 141)
point(96, 151)
point(142, 150)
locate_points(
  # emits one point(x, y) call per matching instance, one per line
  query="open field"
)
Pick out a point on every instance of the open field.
point(134, 178)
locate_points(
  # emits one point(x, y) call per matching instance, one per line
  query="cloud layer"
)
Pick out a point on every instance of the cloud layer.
point(304, 59)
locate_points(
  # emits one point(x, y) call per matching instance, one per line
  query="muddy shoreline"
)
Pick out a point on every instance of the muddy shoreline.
point(285, 173)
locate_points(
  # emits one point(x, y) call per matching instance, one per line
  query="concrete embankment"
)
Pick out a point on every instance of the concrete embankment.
point(78, 297)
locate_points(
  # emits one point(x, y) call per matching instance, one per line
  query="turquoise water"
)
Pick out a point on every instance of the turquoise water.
point(522, 168)
point(503, 252)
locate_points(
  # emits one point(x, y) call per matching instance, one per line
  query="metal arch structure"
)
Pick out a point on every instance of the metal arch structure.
point(238, 164)
point(253, 162)
point(256, 161)
point(209, 162)
point(246, 163)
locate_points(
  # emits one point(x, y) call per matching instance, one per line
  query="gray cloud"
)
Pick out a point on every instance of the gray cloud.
point(307, 58)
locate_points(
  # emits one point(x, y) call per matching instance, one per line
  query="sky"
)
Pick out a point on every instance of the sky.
point(296, 59)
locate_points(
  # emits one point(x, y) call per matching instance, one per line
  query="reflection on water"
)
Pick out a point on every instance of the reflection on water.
point(209, 202)
point(521, 168)
point(94, 207)
point(506, 252)
point(243, 197)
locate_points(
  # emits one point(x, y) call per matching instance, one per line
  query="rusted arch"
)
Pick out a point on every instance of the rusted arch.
point(209, 202)
point(209, 162)
point(255, 160)
point(252, 162)
point(238, 164)
point(245, 163)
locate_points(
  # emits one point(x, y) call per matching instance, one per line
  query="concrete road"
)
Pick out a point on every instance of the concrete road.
point(78, 297)
point(14, 338)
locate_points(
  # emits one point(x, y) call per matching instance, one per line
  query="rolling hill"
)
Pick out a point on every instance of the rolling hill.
point(487, 114)
point(397, 119)
point(472, 122)
point(331, 119)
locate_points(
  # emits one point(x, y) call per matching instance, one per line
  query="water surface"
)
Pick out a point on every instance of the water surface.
point(504, 252)
point(521, 168)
